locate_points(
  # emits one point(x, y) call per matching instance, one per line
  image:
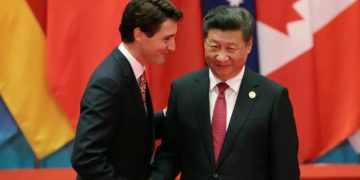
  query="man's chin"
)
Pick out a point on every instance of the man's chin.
point(222, 75)
point(161, 61)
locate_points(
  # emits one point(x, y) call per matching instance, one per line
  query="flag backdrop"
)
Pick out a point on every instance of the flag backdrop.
point(8, 127)
point(48, 50)
point(80, 35)
point(23, 83)
point(312, 47)
point(187, 57)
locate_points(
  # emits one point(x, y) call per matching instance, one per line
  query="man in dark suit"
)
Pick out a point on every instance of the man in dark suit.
point(226, 121)
point(116, 131)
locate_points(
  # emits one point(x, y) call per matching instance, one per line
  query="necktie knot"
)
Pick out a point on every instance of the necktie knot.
point(222, 87)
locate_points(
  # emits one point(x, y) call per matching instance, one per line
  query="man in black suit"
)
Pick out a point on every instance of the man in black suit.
point(226, 121)
point(117, 128)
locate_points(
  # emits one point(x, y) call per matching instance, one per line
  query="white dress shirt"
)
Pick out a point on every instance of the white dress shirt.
point(231, 93)
point(137, 67)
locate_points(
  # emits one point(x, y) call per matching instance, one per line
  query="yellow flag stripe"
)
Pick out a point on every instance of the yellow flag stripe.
point(23, 82)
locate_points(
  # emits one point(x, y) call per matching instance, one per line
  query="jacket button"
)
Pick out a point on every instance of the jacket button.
point(215, 175)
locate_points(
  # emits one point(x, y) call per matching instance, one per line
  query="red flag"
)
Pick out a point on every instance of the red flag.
point(187, 57)
point(79, 36)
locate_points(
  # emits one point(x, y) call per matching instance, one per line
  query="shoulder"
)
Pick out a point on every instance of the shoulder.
point(194, 76)
point(111, 70)
point(115, 62)
point(262, 82)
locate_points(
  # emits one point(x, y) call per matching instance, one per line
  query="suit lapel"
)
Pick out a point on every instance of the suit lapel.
point(200, 101)
point(131, 80)
point(150, 116)
point(241, 110)
point(134, 89)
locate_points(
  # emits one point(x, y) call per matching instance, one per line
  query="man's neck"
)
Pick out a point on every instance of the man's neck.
point(134, 51)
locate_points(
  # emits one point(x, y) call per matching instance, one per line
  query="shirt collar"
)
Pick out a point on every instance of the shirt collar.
point(234, 83)
point(137, 67)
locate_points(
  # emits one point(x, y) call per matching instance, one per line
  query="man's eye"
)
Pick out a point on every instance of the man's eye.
point(168, 38)
point(231, 49)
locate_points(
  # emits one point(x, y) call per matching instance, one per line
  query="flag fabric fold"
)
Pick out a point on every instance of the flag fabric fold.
point(22, 80)
point(8, 126)
point(77, 41)
point(187, 57)
point(45, 63)
point(318, 62)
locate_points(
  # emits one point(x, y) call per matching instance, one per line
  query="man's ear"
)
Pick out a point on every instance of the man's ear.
point(138, 34)
point(249, 45)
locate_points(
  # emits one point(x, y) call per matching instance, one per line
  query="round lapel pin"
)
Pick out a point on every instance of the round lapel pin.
point(252, 94)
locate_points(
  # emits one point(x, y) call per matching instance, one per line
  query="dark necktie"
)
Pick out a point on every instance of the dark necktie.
point(219, 120)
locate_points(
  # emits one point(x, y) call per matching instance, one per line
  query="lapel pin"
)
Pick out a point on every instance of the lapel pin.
point(252, 94)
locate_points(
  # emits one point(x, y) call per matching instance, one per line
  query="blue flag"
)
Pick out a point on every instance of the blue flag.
point(8, 127)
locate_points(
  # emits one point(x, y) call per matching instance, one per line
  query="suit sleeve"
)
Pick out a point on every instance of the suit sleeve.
point(95, 129)
point(159, 119)
point(166, 162)
point(284, 140)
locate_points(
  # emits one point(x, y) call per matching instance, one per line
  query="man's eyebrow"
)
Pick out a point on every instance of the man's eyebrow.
point(170, 35)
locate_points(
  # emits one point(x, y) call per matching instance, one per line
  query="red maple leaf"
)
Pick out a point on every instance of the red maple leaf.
point(277, 13)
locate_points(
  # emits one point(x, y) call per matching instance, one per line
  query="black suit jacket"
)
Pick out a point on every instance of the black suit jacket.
point(260, 144)
point(115, 136)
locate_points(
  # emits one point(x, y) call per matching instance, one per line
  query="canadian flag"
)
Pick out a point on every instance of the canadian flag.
point(312, 47)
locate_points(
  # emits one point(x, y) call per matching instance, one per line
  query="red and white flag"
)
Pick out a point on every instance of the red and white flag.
point(312, 47)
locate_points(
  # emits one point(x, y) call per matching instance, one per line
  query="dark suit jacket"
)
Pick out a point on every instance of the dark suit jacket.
point(260, 144)
point(115, 137)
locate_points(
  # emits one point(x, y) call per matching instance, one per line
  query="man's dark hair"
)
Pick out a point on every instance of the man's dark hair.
point(148, 15)
point(226, 17)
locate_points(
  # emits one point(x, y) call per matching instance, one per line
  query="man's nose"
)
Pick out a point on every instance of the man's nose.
point(171, 44)
point(222, 56)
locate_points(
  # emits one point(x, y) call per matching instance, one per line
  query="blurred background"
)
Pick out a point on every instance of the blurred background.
point(49, 48)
